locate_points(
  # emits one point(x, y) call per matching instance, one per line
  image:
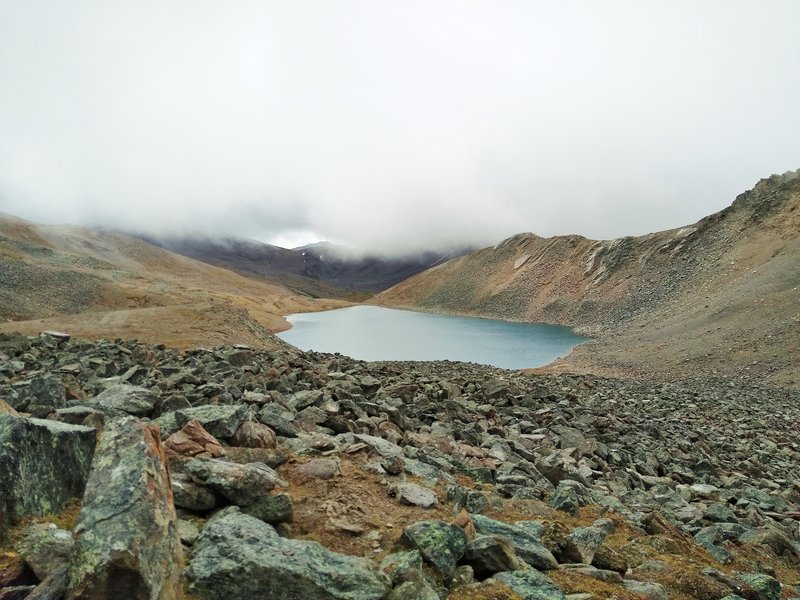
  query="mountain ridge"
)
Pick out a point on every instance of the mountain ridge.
point(702, 274)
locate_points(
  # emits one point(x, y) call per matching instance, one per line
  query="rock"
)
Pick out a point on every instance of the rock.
point(278, 423)
point(527, 546)
point(136, 401)
point(441, 544)
point(605, 557)
point(188, 532)
point(490, 554)
point(43, 464)
point(415, 495)
point(530, 584)
point(17, 592)
point(401, 566)
point(413, 590)
point(45, 548)
point(6, 409)
point(650, 590)
point(580, 545)
point(272, 509)
point(241, 485)
point(192, 440)
point(272, 457)
point(126, 538)
point(759, 586)
point(220, 420)
point(238, 557)
point(252, 434)
point(319, 468)
point(594, 573)
point(187, 494)
point(54, 587)
point(567, 497)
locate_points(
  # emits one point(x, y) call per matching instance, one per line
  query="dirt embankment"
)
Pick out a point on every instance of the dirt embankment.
point(721, 296)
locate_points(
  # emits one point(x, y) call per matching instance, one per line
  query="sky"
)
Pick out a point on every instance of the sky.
point(393, 125)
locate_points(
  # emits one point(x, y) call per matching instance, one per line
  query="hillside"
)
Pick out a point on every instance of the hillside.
point(720, 296)
point(102, 284)
point(319, 270)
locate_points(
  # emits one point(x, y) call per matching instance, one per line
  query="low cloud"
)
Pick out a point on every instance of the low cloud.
point(393, 126)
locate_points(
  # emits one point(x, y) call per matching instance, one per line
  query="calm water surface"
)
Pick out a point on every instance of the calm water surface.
point(374, 333)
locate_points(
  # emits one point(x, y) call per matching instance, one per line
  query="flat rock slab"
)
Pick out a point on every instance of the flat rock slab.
point(238, 557)
point(126, 538)
point(530, 584)
point(43, 464)
point(527, 546)
point(415, 495)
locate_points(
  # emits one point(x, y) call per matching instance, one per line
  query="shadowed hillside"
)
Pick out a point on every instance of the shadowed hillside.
point(721, 295)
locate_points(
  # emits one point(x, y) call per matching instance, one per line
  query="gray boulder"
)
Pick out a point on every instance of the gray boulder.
point(490, 554)
point(131, 399)
point(241, 485)
point(527, 546)
point(126, 538)
point(530, 584)
point(580, 545)
point(43, 464)
point(45, 548)
point(238, 557)
point(220, 420)
point(441, 544)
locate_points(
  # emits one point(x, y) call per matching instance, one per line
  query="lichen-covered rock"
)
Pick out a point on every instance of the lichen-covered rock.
point(272, 509)
point(490, 554)
point(527, 545)
point(131, 399)
point(221, 421)
point(582, 543)
point(126, 538)
point(241, 485)
point(648, 589)
point(238, 557)
point(530, 584)
point(759, 586)
point(45, 548)
point(441, 544)
point(43, 464)
point(252, 434)
point(415, 495)
point(187, 494)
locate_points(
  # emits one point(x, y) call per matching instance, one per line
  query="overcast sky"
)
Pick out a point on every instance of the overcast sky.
point(393, 124)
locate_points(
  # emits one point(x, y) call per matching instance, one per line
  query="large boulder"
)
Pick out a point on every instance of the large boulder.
point(441, 544)
point(131, 399)
point(527, 546)
point(241, 485)
point(126, 538)
point(43, 464)
point(238, 557)
point(220, 420)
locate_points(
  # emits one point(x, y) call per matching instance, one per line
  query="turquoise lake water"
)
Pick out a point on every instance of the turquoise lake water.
point(375, 333)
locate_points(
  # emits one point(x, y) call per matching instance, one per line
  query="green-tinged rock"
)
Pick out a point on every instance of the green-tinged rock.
point(530, 584)
point(126, 538)
point(441, 544)
point(238, 557)
point(581, 545)
point(45, 548)
point(131, 399)
point(399, 565)
point(272, 509)
point(413, 590)
point(527, 546)
point(648, 589)
point(241, 485)
point(220, 420)
point(761, 586)
point(43, 464)
point(490, 554)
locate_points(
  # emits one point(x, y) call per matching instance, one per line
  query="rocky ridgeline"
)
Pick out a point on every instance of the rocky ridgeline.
point(191, 469)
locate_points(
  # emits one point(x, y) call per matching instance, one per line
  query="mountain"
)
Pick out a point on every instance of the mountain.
point(319, 270)
point(98, 283)
point(721, 295)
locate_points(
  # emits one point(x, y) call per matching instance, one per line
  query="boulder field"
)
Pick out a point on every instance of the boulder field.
point(137, 471)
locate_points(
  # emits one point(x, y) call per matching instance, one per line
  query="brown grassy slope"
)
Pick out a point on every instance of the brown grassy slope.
point(101, 284)
point(722, 295)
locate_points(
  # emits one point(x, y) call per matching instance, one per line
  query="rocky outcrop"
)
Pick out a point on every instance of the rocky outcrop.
point(43, 464)
point(126, 538)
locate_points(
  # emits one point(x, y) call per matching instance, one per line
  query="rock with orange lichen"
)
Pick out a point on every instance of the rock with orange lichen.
point(193, 440)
